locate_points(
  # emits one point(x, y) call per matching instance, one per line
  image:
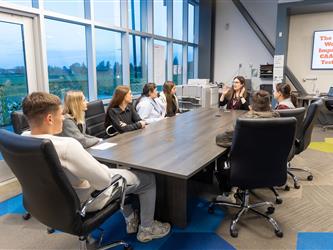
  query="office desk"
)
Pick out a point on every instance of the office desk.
point(174, 149)
point(305, 101)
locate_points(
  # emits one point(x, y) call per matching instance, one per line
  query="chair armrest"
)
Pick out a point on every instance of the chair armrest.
point(114, 184)
point(108, 129)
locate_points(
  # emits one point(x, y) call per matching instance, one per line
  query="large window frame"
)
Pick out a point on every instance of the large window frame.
point(39, 14)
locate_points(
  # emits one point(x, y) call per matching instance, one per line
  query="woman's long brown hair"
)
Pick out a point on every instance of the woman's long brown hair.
point(167, 87)
point(231, 93)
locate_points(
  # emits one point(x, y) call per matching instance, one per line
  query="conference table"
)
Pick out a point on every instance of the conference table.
point(175, 149)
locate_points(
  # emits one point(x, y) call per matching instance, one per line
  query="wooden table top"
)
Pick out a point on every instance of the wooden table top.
point(179, 146)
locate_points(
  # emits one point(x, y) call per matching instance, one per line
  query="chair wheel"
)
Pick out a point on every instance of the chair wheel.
point(50, 230)
point(234, 233)
point(278, 201)
point(286, 188)
point(128, 247)
point(279, 233)
point(296, 185)
point(310, 177)
point(211, 209)
point(26, 216)
point(270, 210)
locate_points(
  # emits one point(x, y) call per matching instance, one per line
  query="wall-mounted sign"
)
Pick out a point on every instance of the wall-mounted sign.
point(322, 53)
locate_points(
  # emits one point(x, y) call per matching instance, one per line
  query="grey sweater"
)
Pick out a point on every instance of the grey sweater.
point(71, 129)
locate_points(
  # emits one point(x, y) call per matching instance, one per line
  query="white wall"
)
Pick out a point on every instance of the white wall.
point(236, 43)
point(300, 49)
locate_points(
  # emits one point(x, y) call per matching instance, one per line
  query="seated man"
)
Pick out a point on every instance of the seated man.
point(86, 174)
point(260, 108)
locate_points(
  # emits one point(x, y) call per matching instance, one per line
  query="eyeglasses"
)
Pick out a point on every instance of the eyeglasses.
point(235, 81)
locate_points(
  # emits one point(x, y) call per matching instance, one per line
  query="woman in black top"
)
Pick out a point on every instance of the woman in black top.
point(121, 113)
point(235, 97)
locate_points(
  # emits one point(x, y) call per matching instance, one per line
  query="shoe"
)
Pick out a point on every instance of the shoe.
point(133, 224)
point(226, 197)
point(155, 231)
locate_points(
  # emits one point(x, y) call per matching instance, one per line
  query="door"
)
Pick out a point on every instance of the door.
point(17, 69)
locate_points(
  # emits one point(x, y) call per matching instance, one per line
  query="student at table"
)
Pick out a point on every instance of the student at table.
point(169, 98)
point(284, 97)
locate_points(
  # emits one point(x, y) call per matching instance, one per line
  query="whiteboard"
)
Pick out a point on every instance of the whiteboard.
point(322, 53)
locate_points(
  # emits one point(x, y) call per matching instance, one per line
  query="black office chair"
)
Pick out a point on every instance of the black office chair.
point(47, 193)
point(258, 159)
point(329, 107)
point(95, 117)
point(298, 113)
point(19, 122)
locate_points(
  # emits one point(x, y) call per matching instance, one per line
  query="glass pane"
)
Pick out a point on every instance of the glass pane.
point(178, 19)
point(13, 76)
point(134, 15)
point(108, 62)
point(191, 23)
point(138, 63)
point(68, 7)
point(21, 2)
point(66, 57)
point(190, 62)
point(177, 64)
point(160, 17)
point(160, 62)
point(107, 11)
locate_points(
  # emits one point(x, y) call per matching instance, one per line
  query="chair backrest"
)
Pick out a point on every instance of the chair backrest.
point(95, 117)
point(259, 151)
point(329, 105)
point(47, 193)
point(19, 121)
point(308, 123)
point(298, 113)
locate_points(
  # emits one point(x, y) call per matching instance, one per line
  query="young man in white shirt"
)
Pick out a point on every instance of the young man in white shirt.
point(86, 174)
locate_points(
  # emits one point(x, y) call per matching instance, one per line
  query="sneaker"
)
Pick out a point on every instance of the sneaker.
point(133, 224)
point(155, 231)
point(226, 197)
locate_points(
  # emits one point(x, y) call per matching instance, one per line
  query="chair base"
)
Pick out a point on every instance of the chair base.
point(244, 208)
point(295, 178)
point(83, 244)
point(327, 127)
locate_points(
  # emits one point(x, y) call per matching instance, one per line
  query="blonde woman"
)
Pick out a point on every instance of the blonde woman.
point(75, 106)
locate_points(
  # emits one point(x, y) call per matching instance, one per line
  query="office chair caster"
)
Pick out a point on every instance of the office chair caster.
point(26, 216)
point(128, 247)
point(278, 200)
point(279, 233)
point(286, 188)
point(211, 209)
point(297, 186)
point(50, 230)
point(234, 233)
point(310, 178)
point(270, 210)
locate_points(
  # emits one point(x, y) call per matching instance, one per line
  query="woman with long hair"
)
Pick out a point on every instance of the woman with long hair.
point(121, 113)
point(169, 98)
point(148, 106)
point(75, 106)
point(236, 96)
point(284, 97)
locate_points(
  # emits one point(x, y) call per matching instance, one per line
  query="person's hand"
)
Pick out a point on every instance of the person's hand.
point(225, 90)
point(241, 95)
point(143, 124)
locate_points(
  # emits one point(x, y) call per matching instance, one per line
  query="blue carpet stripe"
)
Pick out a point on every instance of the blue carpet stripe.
point(314, 241)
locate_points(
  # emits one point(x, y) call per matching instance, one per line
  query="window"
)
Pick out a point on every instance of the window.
point(135, 13)
point(160, 17)
point(66, 57)
point(108, 11)
point(20, 2)
point(190, 62)
point(177, 64)
point(160, 62)
point(138, 63)
point(191, 23)
point(13, 76)
point(178, 19)
point(68, 7)
point(108, 62)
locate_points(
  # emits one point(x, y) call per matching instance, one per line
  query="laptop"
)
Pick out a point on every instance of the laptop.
point(330, 92)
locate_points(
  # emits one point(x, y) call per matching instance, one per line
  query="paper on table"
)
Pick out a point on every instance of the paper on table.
point(104, 146)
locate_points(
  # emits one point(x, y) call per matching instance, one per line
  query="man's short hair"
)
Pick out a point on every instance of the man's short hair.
point(38, 104)
point(261, 101)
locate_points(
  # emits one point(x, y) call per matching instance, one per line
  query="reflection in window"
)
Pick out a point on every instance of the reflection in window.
point(66, 57)
point(191, 23)
point(160, 18)
point(13, 77)
point(108, 11)
point(178, 19)
point(68, 7)
point(177, 63)
point(134, 15)
point(108, 62)
point(20, 2)
point(138, 63)
point(190, 62)
point(160, 62)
